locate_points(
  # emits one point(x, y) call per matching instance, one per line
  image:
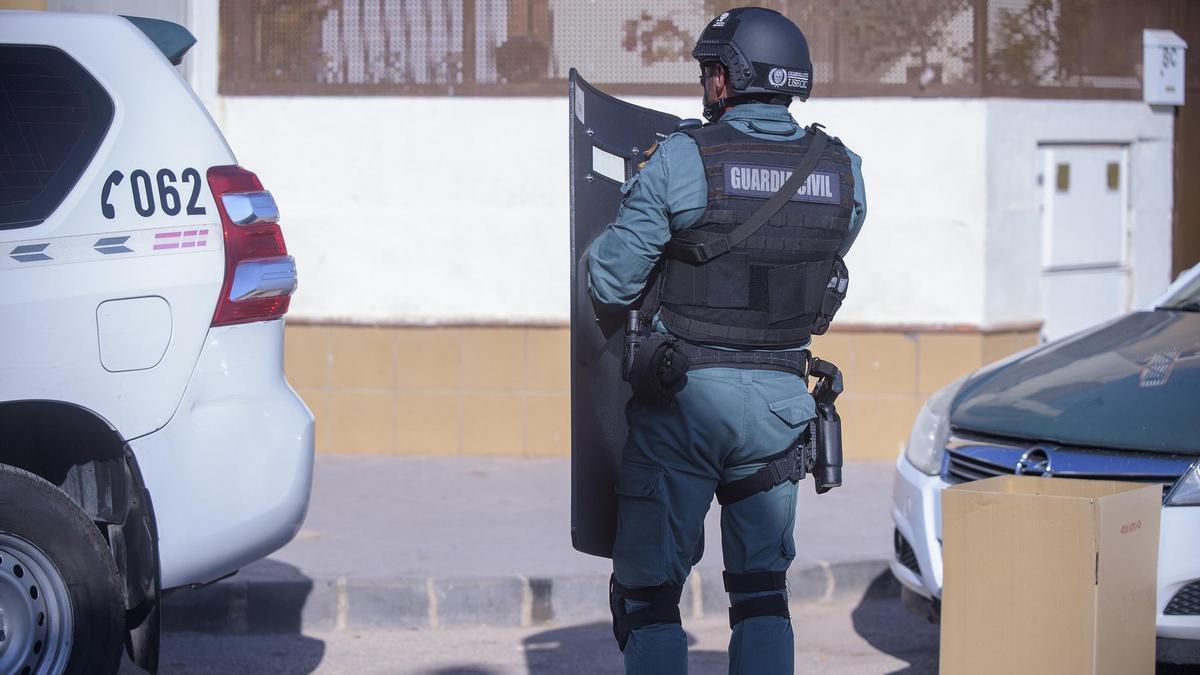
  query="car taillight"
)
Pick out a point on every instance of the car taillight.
point(259, 274)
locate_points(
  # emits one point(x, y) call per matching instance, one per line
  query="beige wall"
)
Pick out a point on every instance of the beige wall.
point(505, 390)
point(434, 391)
point(22, 4)
point(890, 372)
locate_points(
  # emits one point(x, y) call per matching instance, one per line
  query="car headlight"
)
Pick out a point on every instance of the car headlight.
point(1187, 489)
point(927, 443)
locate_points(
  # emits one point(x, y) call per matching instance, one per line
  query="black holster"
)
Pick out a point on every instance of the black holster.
point(825, 437)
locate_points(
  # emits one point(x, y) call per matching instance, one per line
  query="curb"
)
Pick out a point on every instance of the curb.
point(244, 606)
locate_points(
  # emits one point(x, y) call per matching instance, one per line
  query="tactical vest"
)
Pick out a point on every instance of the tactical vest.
point(782, 284)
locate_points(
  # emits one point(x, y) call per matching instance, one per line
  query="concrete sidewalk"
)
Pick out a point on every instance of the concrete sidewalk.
point(396, 542)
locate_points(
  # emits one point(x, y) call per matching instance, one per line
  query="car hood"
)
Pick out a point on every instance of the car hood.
point(1132, 383)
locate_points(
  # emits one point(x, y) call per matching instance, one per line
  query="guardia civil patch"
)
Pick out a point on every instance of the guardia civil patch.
point(755, 180)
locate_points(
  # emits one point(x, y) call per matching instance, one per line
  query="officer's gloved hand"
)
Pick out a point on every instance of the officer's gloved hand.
point(659, 371)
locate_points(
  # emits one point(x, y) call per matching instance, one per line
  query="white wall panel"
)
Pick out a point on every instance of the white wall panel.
point(456, 209)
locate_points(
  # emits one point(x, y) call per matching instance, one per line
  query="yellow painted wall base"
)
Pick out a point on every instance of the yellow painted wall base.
point(506, 390)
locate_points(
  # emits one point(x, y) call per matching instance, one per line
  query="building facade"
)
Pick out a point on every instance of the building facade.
point(1018, 188)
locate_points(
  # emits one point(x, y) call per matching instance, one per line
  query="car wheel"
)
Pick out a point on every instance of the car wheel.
point(60, 593)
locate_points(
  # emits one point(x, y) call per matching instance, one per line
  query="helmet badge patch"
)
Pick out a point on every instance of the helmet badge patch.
point(780, 78)
point(720, 21)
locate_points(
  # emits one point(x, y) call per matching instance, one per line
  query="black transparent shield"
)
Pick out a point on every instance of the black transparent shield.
point(608, 139)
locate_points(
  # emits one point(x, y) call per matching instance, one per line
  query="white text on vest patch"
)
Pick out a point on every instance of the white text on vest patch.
point(751, 180)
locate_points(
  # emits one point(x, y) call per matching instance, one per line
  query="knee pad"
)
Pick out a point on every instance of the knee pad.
point(664, 607)
point(763, 605)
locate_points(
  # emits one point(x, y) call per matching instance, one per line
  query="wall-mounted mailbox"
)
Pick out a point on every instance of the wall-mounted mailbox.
point(1163, 52)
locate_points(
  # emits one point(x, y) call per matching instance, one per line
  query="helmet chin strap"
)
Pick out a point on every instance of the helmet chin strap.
point(714, 111)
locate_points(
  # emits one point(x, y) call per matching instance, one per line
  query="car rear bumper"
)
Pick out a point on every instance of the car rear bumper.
point(230, 474)
point(916, 512)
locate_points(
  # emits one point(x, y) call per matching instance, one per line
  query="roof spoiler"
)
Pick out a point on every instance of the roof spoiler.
point(171, 39)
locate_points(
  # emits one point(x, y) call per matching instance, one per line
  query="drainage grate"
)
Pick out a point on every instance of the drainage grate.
point(905, 553)
point(1186, 602)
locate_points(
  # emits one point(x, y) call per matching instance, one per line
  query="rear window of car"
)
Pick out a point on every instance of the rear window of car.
point(53, 116)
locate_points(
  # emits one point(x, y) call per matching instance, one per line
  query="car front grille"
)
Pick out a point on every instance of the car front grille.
point(971, 458)
point(961, 468)
point(905, 553)
point(1186, 602)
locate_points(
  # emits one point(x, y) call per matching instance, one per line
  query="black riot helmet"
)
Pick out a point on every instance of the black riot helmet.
point(764, 53)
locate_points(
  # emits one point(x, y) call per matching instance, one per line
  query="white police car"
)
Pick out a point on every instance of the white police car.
point(148, 438)
point(1120, 401)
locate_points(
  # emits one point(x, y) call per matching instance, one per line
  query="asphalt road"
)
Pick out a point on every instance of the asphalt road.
point(362, 526)
point(386, 517)
point(873, 636)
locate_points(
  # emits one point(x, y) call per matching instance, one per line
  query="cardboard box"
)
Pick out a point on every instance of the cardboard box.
point(1049, 575)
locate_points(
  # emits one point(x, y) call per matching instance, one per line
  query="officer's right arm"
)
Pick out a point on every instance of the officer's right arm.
point(859, 215)
point(622, 256)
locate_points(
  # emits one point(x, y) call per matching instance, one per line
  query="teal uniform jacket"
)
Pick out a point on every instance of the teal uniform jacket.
point(718, 429)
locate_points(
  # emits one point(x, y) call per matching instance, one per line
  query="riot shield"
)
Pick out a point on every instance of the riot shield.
point(608, 138)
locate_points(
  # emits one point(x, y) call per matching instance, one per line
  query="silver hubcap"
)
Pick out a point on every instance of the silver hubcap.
point(36, 622)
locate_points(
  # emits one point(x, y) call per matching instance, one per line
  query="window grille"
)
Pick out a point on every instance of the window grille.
point(1021, 48)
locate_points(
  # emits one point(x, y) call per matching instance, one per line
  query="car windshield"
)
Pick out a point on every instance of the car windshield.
point(1186, 297)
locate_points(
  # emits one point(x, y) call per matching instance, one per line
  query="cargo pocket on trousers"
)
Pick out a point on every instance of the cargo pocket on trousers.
point(795, 410)
point(640, 551)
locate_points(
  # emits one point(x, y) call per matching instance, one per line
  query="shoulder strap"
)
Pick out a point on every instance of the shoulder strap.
point(695, 252)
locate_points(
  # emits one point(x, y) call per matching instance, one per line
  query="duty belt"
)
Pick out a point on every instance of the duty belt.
point(793, 361)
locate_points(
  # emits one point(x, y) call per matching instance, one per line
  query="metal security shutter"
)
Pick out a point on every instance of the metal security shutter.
point(53, 116)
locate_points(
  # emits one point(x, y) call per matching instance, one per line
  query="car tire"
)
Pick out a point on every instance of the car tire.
point(61, 607)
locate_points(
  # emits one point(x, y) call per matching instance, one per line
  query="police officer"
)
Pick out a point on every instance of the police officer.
point(744, 301)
